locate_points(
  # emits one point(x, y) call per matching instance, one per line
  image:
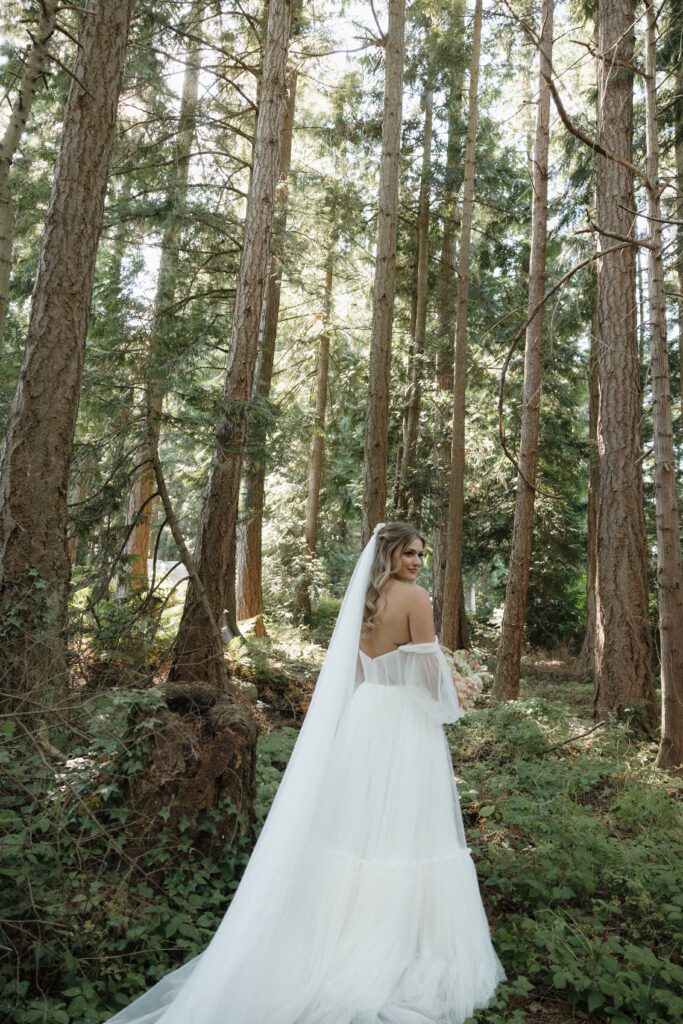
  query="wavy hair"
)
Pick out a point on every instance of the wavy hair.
point(391, 538)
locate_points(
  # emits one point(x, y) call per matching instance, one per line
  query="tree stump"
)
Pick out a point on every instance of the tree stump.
point(200, 759)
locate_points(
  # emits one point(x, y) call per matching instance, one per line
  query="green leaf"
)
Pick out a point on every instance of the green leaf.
point(9, 819)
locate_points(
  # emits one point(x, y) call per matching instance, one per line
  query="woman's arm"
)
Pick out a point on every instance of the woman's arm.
point(420, 617)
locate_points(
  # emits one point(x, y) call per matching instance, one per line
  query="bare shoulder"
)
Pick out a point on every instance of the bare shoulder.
point(418, 596)
point(408, 599)
point(420, 616)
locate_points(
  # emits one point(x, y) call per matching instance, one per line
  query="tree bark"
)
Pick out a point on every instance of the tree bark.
point(187, 559)
point(34, 68)
point(506, 680)
point(250, 526)
point(34, 467)
point(409, 498)
point(82, 473)
point(379, 370)
point(669, 568)
point(678, 154)
point(454, 634)
point(446, 309)
point(446, 291)
point(140, 508)
point(315, 465)
point(623, 653)
point(193, 649)
point(315, 461)
point(398, 495)
point(587, 656)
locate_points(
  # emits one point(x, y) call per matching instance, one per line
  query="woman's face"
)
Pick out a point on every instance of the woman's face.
point(406, 564)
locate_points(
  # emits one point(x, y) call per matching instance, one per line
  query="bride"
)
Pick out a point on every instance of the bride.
point(360, 903)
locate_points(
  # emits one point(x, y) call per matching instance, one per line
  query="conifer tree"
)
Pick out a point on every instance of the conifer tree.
point(215, 546)
point(379, 371)
point(506, 681)
point(623, 650)
point(34, 468)
point(34, 68)
point(454, 631)
point(140, 502)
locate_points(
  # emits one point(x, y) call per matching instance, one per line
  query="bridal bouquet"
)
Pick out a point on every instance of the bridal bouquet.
point(469, 676)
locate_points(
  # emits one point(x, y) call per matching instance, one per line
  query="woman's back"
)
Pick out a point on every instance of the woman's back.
point(406, 617)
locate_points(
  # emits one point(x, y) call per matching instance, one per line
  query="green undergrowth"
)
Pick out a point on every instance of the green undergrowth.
point(577, 851)
point(86, 922)
point(281, 658)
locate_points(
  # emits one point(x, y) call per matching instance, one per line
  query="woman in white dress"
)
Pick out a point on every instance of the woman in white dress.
point(360, 903)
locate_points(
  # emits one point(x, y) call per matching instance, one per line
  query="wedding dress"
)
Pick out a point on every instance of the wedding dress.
point(360, 903)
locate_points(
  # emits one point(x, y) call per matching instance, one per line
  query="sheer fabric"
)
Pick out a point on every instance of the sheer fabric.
point(423, 670)
point(360, 903)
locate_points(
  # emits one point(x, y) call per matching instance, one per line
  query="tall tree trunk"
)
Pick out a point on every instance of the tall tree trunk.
point(379, 371)
point(34, 67)
point(623, 654)
point(140, 501)
point(669, 569)
point(446, 309)
point(193, 648)
point(454, 632)
point(641, 322)
point(587, 656)
point(409, 499)
point(398, 494)
point(678, 151)
point(84, 470)
point(315, 461)
point(250, 526)
point(34, 467)
point(315, 465)
point(506, 680)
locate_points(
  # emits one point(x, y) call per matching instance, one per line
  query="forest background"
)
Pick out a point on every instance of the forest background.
point(270, 274)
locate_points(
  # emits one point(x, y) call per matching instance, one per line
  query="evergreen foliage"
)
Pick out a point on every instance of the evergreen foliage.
point(576, 841)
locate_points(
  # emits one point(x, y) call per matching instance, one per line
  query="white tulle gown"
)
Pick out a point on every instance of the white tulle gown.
point(393, 930)
point(376, 917)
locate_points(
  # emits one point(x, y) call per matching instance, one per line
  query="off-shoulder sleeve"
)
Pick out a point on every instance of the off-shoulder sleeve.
point(429, 679)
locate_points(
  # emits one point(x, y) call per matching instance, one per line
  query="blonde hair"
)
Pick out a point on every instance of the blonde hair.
point(392, 537)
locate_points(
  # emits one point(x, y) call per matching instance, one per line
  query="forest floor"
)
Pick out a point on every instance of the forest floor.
point(558, 676)
point(574, 833)
point(576, 966)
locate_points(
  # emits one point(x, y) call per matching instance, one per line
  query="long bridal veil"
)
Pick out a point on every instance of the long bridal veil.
point(224, 981)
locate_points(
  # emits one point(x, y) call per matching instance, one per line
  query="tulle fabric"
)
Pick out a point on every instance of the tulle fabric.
point(362, 906)
point(424, 671)
point(393, 930)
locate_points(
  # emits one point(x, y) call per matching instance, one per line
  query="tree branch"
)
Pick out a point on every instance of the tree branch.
point(572, 128)
point(584, 137)
point(188, 561)
point(515, 341)
point(571, 739)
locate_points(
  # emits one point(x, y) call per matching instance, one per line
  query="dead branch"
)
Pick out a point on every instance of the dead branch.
point(571, 739)
point(188, 561)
